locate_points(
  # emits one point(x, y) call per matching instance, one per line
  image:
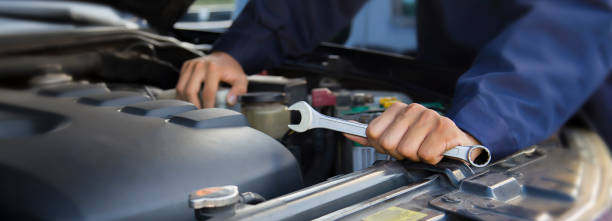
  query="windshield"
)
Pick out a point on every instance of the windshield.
point(37, 16)
point(209, 15)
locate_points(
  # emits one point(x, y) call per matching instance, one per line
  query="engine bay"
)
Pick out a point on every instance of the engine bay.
point(90, 129)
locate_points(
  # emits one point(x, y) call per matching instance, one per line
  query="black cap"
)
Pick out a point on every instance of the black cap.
point(262, 97)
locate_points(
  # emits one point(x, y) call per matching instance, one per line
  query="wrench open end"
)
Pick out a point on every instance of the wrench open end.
point(306, 113)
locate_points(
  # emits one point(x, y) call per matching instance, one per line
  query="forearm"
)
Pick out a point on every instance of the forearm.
point(528, 81)
point(267, 31)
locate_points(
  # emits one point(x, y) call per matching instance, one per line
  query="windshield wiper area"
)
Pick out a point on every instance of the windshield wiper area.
point(65, 12)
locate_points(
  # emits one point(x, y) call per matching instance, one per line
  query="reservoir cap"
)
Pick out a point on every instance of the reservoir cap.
point(214, 197)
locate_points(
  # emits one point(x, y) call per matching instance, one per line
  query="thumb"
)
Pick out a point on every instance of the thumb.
point(238, 88)
point(361, 140)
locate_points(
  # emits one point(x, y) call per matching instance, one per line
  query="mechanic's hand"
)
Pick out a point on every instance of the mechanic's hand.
point(215, 67)
point(413, 132)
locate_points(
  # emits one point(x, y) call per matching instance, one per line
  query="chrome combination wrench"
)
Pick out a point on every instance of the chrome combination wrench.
point(310, 119)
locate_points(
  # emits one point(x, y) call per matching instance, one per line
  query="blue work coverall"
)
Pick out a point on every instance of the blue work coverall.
point(533, 63)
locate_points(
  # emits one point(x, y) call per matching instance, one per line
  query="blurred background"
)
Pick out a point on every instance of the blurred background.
point(383, 25)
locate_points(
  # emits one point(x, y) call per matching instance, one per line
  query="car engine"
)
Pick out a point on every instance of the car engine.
point(90, 130)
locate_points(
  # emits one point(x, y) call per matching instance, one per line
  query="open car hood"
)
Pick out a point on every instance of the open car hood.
point(161, 14)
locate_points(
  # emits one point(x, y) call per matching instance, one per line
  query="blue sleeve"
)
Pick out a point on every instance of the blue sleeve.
point(537, 73)
point(267, 31)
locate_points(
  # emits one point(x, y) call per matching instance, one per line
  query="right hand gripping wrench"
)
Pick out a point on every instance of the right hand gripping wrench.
point(310, 119)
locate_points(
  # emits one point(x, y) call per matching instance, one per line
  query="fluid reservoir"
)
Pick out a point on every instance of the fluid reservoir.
point(266, 112)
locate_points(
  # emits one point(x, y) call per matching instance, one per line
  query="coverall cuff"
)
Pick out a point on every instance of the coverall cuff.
point(252, 51)
point(486, 126)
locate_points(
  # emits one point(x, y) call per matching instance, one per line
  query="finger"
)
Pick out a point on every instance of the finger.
point(361, 140)
point(183, 78)
point(475, 153)
point(190, 71)
point(416, 133)
point(395, 131)
point(195, 83)
point(210, 87)
point(443, 137)
point(239, 87)
point(378, 126)
point(432, 149)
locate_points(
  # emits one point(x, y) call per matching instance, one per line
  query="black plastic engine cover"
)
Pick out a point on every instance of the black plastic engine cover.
point(62, 158)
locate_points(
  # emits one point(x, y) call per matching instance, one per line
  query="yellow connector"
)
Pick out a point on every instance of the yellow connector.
point(387, 101)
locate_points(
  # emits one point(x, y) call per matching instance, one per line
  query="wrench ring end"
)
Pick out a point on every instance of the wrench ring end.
point(483, 159)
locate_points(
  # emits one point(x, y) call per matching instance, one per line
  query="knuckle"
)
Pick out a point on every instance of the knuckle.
point(448, 122)
point(427, 116)
point(200, 67)
point(398, 105)
point(445, 124)
point(433, 112)
point(415, 106)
